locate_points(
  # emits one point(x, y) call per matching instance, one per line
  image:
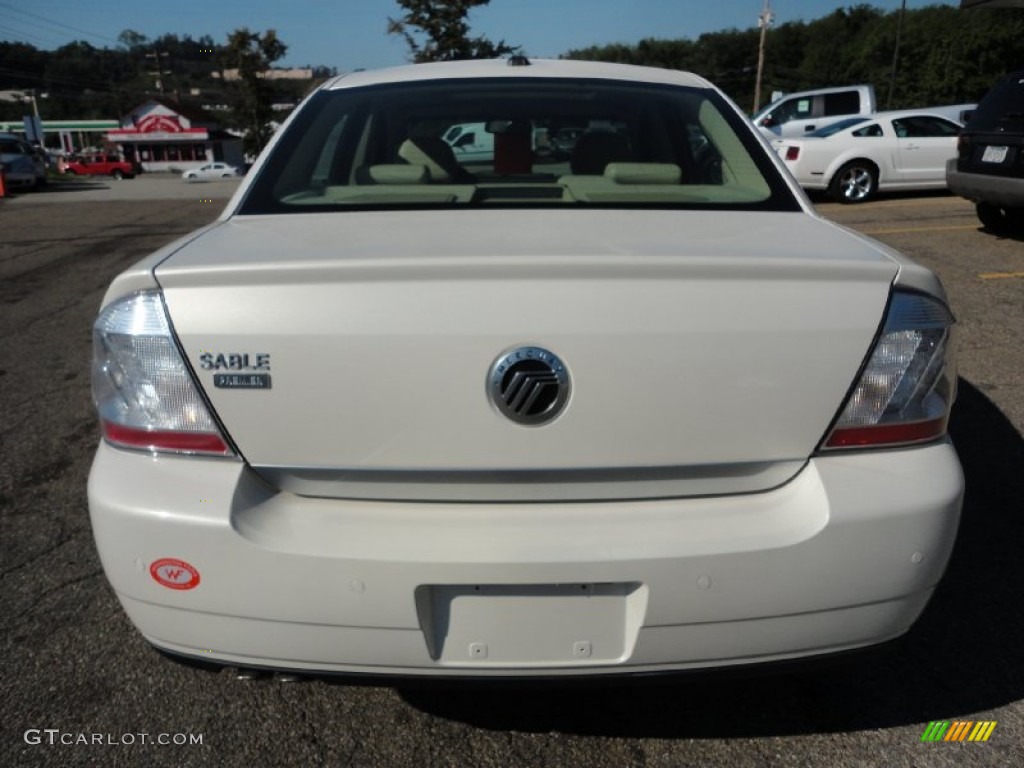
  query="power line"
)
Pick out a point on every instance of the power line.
point(55, 23)
point(18, 35)
point(92, 85)
point(45, 28)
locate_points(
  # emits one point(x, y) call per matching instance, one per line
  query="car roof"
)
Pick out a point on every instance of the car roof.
point(538, 68)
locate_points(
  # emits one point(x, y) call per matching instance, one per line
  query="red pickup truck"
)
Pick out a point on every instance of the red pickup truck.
point(101, 165)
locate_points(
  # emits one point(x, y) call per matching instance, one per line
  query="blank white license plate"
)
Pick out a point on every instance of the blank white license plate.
point(534, 625)
point(994, 155)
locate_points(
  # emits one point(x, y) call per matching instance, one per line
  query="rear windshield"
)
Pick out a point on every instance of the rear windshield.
point(517, 142)
point(1002, 109)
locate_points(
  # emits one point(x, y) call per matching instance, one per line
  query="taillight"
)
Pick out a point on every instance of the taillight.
point(907, 388)
point(963, 145)
point(792, 153)
point(144, 393)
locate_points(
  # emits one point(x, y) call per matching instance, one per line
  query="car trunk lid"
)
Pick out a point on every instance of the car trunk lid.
point(706, 355)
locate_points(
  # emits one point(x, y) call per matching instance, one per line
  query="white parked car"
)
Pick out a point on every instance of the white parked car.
point(211, 171)
point(636, 410)
point(854, 158)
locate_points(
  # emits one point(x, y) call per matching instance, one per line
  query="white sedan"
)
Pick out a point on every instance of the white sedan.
point(636, 410)
point(211, 171)
point(855, 158)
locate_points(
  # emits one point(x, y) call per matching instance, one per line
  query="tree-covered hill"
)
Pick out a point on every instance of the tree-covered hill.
point(80, 81)
point(946, 55)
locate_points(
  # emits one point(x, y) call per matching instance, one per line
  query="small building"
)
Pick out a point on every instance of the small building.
point(163, 136)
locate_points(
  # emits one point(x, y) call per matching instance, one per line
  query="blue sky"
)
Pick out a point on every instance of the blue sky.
point(351, 33)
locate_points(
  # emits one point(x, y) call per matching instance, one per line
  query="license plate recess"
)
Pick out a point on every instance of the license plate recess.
point(533, 625)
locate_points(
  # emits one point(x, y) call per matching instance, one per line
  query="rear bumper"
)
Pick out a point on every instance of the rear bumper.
point(845, 555)
point(1004, 191)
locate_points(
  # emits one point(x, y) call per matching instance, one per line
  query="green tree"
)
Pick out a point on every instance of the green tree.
point(831, 55)
point(252, 94)
point(947, 55)
point(131, 40)
point(438, 30)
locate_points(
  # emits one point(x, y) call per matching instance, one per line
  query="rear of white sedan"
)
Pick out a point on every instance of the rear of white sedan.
point(634, 410)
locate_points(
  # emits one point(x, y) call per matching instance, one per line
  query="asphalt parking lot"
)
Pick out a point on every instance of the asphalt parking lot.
point(74, 667)
point(147, 186)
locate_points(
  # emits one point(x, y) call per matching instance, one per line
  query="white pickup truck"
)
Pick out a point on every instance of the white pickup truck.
point(797, 114)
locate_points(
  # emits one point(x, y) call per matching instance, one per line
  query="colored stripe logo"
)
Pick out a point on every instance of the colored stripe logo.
point(958, 730)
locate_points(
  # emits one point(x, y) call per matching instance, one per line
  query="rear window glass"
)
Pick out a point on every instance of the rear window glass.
point(517, 142)
point(842, 103)
point(1003, 106)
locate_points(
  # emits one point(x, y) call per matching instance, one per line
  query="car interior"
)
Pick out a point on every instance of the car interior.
point(618, 144)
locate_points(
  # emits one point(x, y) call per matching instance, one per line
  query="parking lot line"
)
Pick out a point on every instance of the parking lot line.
point(917, 229)
point(999, 275)
point(916, 202)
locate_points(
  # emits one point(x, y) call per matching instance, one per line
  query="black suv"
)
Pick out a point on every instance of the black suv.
point(989, 167)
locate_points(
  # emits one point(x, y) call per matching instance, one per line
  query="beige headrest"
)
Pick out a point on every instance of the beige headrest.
point(643, 173)
point(396, 173)
point(434, 153)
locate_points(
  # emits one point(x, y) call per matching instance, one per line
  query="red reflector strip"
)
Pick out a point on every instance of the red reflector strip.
point(886, 434)
point(155, 440)
point(792, 153)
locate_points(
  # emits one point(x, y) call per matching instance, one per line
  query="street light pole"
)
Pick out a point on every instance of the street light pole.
point(763, 21)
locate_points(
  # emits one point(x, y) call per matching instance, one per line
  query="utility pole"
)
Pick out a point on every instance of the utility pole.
point(160, 71)
point(763, 21)
point(896, 54)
